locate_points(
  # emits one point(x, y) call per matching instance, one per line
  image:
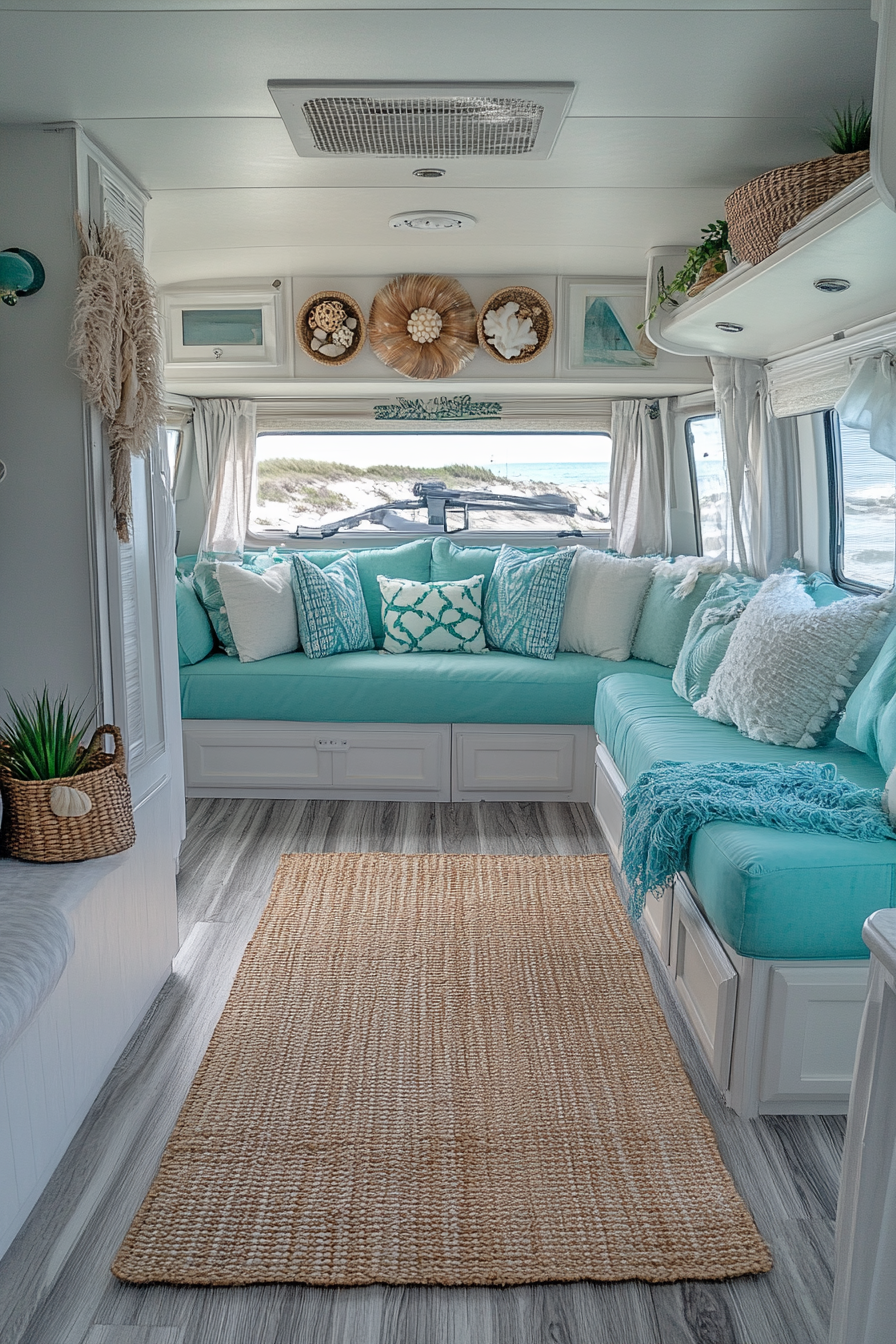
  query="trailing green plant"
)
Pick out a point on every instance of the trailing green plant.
point(711, 248)
point(848, 131)
point(42, 740)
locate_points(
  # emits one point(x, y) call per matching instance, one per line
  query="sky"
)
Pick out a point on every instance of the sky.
point(420, 450)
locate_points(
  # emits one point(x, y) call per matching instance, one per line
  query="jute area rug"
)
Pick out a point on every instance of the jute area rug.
point(441, 1068)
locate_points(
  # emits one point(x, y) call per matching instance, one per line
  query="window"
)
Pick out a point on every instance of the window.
point(310, 481)
point(863, 508)
point(709, 483)
point(173, 441)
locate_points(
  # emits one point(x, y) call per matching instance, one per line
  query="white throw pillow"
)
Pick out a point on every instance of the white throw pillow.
point(442, 616)
point(789, 662)
point(261, 610)
point(604, 598)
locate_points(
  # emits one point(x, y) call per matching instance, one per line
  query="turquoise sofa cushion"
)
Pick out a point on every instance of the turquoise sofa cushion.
point(664, 618)
point(767, 893)
point(450, 561)
point(330, 606)
point(195, 640)
point(372, 687)
point(523, 605)
point(409, 561)
point(869, 722)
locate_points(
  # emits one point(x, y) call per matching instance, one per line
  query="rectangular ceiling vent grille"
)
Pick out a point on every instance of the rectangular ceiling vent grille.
point(432, 121)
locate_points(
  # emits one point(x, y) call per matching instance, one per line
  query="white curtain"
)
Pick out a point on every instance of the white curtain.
point(641, 481)
point(869, 403)
point(224, 433)
point(763, 467)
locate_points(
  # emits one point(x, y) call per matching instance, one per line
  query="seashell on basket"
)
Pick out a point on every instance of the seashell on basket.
point(330, 327)
point(515, 324)
point(423, 326)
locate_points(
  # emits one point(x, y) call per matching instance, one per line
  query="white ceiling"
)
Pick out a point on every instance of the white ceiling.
point(676, 104)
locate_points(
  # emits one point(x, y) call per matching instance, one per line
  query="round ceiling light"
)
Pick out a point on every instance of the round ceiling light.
point(429, 172)
point(431, 221)
point(832, 285)
point(730, 327)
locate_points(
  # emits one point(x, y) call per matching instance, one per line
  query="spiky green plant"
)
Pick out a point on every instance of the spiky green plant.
point(41, 739)
point(848, 131)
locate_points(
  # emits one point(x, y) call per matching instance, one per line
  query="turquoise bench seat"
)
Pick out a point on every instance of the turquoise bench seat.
point(767, 893)
point(372, 687)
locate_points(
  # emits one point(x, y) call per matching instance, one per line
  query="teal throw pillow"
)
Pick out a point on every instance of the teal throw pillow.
point(869, 721)
point(195, 640)
point(709, 633)
point(426, 617)
point(450, 561)
point(524, 601)
point(673, 597)
point(408, 561)
point(330, 604)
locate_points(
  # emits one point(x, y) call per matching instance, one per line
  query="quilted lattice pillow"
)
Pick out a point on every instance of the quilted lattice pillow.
point(445, 616)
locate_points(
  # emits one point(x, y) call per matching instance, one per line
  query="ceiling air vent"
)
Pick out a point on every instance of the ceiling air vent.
point(421, 121)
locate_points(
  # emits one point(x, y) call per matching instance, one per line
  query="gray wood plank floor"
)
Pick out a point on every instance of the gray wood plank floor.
point(55, 1285)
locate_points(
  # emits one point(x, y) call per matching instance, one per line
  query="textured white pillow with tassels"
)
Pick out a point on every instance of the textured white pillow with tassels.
point(789, 663)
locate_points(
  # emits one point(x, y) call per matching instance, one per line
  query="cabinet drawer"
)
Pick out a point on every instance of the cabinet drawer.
point(704, 979)
point(501, 761)
point(812, 1031)
point(609, 790)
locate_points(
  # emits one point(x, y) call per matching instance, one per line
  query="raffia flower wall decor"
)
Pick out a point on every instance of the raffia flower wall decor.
point(117, 348)
point(423, 326)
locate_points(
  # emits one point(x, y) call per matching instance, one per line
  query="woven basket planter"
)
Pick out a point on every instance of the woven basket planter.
point(31, 830)
point(532, 305)
point(761, 210)
point(330, 300)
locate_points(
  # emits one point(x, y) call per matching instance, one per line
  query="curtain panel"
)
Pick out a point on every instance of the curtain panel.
point(641, 481)
point(224, 434)
point(761, 456)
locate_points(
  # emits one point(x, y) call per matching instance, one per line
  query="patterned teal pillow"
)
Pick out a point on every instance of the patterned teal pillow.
point(709, 633)
point(330, 604)
point(524, 601)
point(426, 617)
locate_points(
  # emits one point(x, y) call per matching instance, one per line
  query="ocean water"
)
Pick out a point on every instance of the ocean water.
point(557, 473)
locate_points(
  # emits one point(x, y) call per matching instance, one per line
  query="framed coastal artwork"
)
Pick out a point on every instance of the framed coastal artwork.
point(600, 326)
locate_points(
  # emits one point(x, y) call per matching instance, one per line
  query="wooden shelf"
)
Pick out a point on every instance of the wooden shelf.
point(850, 237)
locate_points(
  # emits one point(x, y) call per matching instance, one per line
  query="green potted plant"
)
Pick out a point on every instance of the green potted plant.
point(61, 801)
point(703, 264)
point(764, 208)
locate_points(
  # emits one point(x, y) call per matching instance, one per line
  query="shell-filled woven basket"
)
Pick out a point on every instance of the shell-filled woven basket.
point(33, 829)
point(330, 327)
point(511, 330)
point(761, 210)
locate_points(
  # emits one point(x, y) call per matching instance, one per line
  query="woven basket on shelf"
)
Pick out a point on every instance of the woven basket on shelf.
point(761, 210)
point(31, 830)
point(305, 333)
point(529, 300)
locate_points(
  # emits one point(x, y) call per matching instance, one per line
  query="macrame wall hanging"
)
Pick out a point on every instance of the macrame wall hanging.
point(116, 346)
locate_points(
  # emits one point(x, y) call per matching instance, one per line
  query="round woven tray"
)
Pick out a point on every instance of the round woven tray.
point(305, 334)
point(391, 342)
point(32, 831)
point(761, 210)
point(528, 300)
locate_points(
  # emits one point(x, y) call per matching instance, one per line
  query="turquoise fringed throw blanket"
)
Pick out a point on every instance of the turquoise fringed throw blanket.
point(668, 803)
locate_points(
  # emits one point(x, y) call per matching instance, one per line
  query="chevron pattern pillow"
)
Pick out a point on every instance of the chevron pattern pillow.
point(524, 601)
point(445, 616)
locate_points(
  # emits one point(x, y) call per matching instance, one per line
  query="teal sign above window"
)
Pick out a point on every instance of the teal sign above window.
point(223, 326)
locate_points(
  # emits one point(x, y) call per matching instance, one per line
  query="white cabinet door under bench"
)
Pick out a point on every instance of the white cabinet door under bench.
point(252, 758)
point(549, 762)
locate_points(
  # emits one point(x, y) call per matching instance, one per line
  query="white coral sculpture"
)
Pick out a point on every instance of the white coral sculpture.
point(424, 325)
point(507, 333)
point(344, 336)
